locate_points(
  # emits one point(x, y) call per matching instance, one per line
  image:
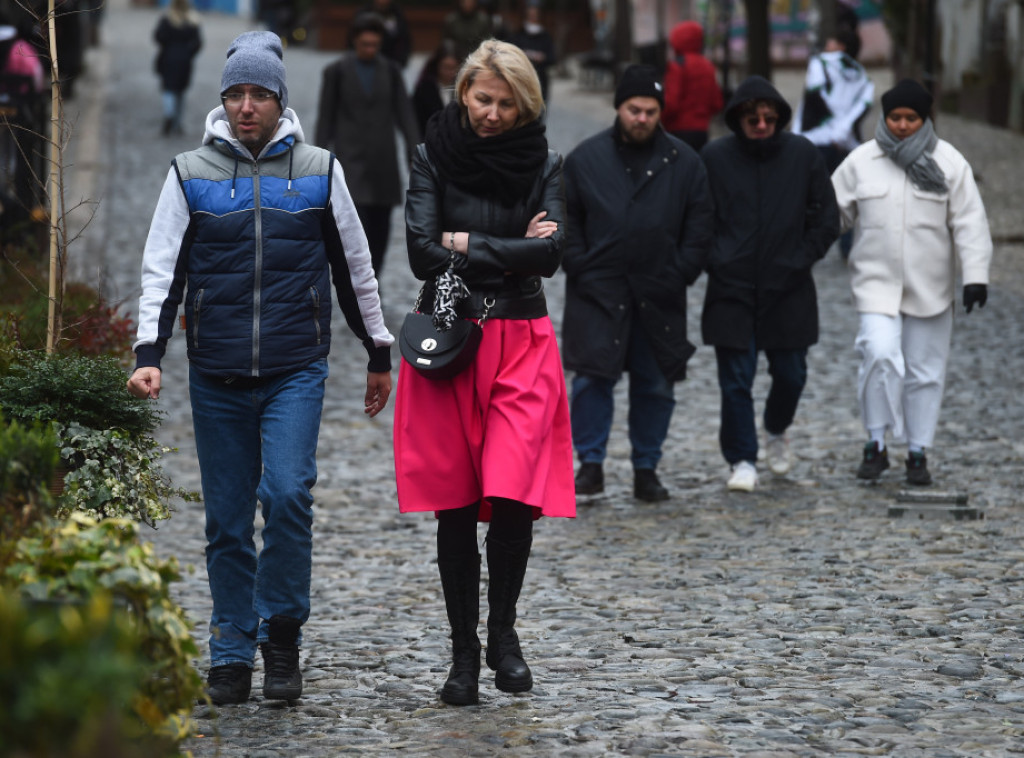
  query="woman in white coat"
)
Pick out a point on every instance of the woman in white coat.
point(915, 210)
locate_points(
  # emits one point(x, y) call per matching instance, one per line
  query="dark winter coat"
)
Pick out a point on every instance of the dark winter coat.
point(359, 127)
point(631, 251)
point(775, 217)
point(178, 47)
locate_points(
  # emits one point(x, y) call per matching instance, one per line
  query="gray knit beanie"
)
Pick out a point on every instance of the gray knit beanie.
point(256, 58)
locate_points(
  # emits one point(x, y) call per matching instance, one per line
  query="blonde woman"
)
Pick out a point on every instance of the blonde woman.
point(493, 443)
point(179, 39)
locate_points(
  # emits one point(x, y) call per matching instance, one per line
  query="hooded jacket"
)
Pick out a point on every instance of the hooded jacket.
point(775, 217)
point(251, 246)
point(692, 94)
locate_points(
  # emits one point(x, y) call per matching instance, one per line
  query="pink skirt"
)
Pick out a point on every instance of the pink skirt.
point(500, 429)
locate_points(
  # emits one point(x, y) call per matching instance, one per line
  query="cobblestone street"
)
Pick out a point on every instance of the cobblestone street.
point(800, 620)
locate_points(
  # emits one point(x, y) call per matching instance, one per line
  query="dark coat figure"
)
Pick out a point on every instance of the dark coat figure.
point(179, 44)
point(534, 40)
point(179, 40)
point(775, 216)
point(362, 102)
point(631, 251)
point(435, 85)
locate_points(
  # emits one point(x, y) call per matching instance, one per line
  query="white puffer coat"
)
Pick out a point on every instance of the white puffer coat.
point(907, 241)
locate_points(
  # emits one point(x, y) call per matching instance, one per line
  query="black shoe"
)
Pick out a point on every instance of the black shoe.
point(505, 658)
point(917, 469)
point(229, 684)
point(590, 479)
point(647, 487)
point(282, 679)
point(875, 462)
point(168, 125)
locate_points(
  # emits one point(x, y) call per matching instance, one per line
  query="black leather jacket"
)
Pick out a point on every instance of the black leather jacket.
point(502, 266)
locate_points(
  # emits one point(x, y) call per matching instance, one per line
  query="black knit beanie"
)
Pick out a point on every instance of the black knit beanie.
point(639, 81)
point(908, 94)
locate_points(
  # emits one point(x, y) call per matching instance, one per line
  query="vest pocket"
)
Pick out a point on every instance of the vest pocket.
point(196, 309)
point(315, 298)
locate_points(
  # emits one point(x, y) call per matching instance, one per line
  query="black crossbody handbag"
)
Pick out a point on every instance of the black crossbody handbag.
point(436, 353)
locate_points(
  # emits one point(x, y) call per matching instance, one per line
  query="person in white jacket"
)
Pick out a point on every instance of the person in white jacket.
point(915, 209)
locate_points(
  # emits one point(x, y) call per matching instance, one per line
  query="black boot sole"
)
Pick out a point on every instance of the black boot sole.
point(460, 696)
point(513, 685)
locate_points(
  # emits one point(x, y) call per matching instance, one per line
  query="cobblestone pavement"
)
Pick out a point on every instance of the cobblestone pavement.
point(799, 620)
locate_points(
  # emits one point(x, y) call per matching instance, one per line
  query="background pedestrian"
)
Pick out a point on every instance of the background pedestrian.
point(435, 86)
point(837, 96)
point(179, 40)
point(467, 26)
point(915, 209)
point(363, 102)
point(492, 443)
point(692, 93)
point(640, 224)
point(534, 40)
point(775, 217)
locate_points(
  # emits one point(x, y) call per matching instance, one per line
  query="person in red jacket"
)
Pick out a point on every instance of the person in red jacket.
point(692, 94)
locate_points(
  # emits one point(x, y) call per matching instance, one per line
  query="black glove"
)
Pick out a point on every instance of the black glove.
point(975, 294)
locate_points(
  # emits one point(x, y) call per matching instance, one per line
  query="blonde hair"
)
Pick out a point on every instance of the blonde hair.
point(510, 64)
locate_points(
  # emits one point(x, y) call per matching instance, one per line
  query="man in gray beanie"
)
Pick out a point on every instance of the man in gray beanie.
point(250, 230)
point(640, 222)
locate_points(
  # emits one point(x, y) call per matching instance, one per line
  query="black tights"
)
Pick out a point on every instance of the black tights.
point(456, 528)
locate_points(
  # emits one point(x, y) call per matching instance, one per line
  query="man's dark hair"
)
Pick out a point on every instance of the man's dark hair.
point(367, 22)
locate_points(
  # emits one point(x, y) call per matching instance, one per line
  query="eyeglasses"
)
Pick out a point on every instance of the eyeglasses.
point(261, 97)
point(754, 120)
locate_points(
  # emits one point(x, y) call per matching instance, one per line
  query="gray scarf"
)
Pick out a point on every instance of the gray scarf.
point(914, 155)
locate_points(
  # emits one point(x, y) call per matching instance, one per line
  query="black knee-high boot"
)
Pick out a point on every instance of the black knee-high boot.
point(506, 566)
point(460, 580)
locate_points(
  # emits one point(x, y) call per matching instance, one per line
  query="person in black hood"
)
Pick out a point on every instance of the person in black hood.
point(775, 216)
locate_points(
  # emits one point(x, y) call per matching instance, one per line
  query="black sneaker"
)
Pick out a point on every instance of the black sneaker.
point(917, 469)
point(647, 487)
point(875, 462)
point(590, 479)
point(282, 679)
point(229, 684)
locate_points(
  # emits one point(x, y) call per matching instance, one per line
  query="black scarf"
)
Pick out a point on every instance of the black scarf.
point(503, 167)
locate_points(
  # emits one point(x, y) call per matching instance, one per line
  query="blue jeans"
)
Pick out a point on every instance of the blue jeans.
point(257, 443)
point(651, 402)
point(172, 103)
point(736, 369)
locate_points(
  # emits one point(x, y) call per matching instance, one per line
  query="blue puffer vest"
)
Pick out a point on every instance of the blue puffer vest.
point(258, 301)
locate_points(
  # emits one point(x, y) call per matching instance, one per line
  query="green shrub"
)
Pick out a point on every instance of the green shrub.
point(79, 559)
point(28, 457)
point(114, 475)
point(69, 673)
point(86, 390)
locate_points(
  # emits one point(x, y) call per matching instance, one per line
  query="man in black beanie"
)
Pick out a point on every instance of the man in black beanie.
point(639, 228)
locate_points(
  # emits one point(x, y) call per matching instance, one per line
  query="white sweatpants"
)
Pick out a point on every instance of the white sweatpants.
point(902, 373)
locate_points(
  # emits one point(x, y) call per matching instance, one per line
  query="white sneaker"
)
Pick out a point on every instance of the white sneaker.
point(777, 452)
point(743, 477)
